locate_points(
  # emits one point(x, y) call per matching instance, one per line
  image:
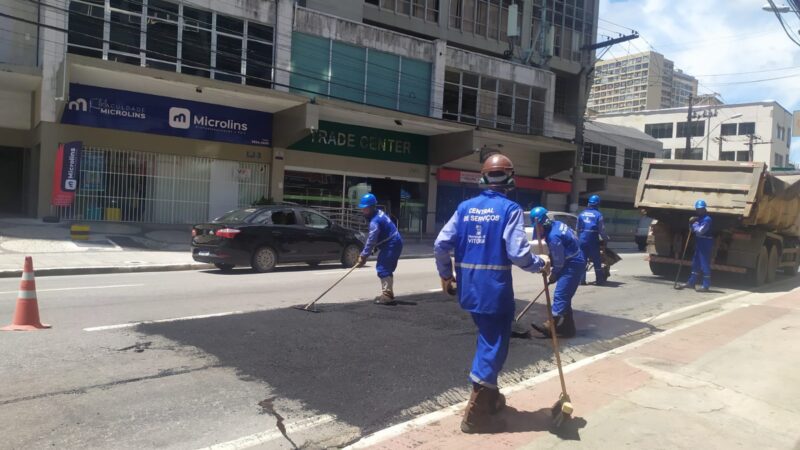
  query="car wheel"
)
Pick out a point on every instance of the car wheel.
point(350, 255)
point(264, 259)
point(313, 263)
point(224, 267)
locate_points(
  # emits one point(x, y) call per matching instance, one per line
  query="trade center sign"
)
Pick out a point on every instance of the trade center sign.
point(364, 142)
point(134, 111)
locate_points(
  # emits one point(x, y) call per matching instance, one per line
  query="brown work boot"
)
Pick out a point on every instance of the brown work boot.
point(565, 326)
point(478, 418)
point(498, 402)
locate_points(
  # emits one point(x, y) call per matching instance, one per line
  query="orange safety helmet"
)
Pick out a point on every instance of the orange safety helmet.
point(498, 172)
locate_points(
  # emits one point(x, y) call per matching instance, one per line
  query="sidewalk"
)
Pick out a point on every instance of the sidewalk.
point(111, 248)
point(725, 380)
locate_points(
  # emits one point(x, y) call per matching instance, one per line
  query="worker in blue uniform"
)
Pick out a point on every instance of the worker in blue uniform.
point(590, 230)
point(568, 269)
point(703, 245)
point(487, 235)
point(384, 237)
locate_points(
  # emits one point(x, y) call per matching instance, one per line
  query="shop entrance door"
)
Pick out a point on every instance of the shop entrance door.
point(11, 182)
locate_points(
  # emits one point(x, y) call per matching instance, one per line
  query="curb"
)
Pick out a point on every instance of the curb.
point(58, 271)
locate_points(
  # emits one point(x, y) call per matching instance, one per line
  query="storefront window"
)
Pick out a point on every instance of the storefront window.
point(337, 196)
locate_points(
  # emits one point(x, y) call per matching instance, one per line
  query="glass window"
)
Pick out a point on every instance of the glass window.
point(633, 162)
point(746, 128)
point(310, 64)
point(694, 153)
point(125, 35)
point(229, 59)
point(230, 25)
point(86, 28)
point(599, 159)
point(698, 129)
point(284, 217)
point(659, 130)
point(727, 156)
point(415, 87)
point(450, 105)
point(382, 79)
point(314, 220)
point(666, 153)
point(196, 48)
point(727, 129)
point(743, 155)
point(347, 71)
point(259, 32)
point(259, 55)
point(778, 160)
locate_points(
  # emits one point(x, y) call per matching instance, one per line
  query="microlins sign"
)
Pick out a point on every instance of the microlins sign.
point(134, 111)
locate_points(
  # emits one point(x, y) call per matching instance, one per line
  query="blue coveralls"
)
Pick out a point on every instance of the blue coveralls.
point(568, 265)
point(384, 236)
point(704, 243)
point(488, 236)
point(590, 229)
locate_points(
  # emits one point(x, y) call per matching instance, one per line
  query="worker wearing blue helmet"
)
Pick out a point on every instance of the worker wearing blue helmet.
point(704, 244)
point(590, 229)
point(384, 237)
point(568, 269)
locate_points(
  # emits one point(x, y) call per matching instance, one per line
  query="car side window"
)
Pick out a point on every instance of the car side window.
point(284, 217)
point(263, 218)
point(314, 220)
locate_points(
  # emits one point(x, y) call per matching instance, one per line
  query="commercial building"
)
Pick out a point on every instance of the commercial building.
point(757, 131)
point(638, 82)
point(176, 111)
point(611, 164)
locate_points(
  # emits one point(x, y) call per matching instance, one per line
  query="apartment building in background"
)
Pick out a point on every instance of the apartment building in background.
point(638, 82)
point(176, 111)
point(757, 131)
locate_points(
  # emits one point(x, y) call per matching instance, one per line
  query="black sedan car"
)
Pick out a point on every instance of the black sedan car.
point(264, 236)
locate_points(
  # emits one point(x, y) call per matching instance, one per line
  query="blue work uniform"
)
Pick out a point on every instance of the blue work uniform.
point(568, 265)
point(384, 237)
point(704, 243)
point(487, 235)
point(590, 229)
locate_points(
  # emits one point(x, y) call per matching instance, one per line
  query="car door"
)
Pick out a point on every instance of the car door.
point(320, 235)
point(286, 235)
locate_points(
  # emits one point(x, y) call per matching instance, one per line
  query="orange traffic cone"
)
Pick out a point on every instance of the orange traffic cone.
point(26, 315)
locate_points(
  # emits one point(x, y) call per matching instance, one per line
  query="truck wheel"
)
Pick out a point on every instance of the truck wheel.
point(758, 275)
point(662, 270)
point(772, 264)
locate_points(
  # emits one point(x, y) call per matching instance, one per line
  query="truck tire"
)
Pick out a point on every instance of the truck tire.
point(772, 264)
point(758, 275)
point(662, 269)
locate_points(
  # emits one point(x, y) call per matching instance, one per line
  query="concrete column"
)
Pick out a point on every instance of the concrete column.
point(437, 86)
point(276, 169)
point(433, 187)
point(52, 48)
point(284, 23)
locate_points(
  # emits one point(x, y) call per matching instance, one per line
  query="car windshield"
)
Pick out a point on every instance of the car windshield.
point(235, 216)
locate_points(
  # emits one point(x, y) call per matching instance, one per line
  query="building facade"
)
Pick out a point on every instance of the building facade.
point(611, 164)
point(182, 110)
point(639, 82)
point(759, 131)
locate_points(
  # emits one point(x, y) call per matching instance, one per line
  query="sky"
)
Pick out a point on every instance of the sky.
point(716, 41)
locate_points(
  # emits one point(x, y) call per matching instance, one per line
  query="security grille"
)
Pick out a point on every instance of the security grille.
point(126, 186)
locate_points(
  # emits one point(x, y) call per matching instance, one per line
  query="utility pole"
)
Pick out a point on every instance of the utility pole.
point(584, 85)
point(688, 130)
point(750, 154)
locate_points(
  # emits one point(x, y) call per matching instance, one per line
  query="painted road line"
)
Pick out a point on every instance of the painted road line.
point(80, 288)
point(175, 319)
point(435, 289)
point(429, 418)
point(267, 436)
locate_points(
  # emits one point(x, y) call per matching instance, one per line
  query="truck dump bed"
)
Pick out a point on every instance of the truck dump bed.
point(745, 190)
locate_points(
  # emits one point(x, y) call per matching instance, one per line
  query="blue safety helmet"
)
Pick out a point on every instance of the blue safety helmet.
point(539, 215)
point(594, 200)
point(700, 204)
point(367, 200)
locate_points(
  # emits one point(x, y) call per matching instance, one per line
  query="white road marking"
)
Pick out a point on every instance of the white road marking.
point(405, 427)
point(435, 289)
point(80, 288)
point(175, 319)
point(267, 436)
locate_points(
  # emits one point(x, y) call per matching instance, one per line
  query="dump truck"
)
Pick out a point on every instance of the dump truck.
point(755, 213)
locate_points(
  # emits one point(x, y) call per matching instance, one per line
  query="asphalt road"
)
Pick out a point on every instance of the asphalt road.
point(195, 359)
